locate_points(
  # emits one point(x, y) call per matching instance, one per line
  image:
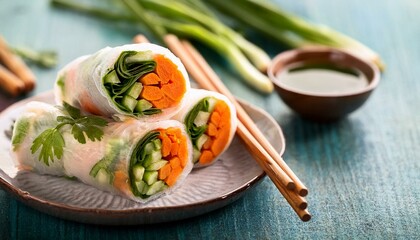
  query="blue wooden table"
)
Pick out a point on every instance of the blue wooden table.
point(363, 172)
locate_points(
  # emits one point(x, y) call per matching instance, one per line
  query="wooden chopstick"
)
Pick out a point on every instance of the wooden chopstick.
point(244, 117)
point(10, 83)
point(16, 66)
point(269, 166)
point(276, 174)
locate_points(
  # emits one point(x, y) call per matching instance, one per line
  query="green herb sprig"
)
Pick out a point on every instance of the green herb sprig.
point(51, 141)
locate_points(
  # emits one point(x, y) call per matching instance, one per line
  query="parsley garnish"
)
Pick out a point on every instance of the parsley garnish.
point(51, 140)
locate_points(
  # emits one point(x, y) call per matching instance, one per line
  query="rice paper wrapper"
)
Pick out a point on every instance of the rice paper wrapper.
point(79, 159)
point(193, 98)
point(80, 83)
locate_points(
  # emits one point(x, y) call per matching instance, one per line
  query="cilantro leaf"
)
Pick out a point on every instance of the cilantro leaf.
point(72, 111)
point(51, 141)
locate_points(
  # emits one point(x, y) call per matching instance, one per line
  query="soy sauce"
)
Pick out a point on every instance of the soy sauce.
point(323, 79)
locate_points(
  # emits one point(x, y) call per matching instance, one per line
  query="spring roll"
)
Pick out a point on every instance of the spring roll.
point(136, 160)
point(142, 80)
point(210, 120)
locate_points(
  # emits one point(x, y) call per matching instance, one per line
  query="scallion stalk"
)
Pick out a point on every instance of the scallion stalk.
point(290, 29)
point(175, 8)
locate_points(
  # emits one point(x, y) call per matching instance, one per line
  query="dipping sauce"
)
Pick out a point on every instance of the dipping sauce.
point(321, 79)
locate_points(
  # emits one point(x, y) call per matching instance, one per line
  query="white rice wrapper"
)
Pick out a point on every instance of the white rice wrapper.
point(80, 81)
point(194, 97)
point(79, 159)
point(36, 118)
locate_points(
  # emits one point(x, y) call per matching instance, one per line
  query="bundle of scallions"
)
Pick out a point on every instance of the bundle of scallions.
point(195, 19)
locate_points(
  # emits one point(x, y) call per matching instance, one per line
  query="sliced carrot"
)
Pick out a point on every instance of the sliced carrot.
point(183, 152)
point(212, 129)
point(174, 148)
point(206, 157)
point(174, 131)
point(121, 180)
point(175, 162)
point(171, 179)
point(220, 143)
point(166, 145)
point(208, 143)
point(164, 171)
point(150, 79)
point(166, 86)
point(151, 93)
point(215, 118)
point(174, 89)
point(164, 68)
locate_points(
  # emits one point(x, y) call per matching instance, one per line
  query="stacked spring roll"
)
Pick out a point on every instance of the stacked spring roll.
point(136, 160)
point(210, 120)
point(145, 81)
point(143, 155)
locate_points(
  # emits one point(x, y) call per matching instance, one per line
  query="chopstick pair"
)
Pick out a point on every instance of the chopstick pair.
point(15, 77)
point(270, 161)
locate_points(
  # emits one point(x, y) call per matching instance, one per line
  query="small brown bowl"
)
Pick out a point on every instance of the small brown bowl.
point(323, 106)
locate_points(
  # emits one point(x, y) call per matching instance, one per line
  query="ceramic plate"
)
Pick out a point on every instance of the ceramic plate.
point(204, 190)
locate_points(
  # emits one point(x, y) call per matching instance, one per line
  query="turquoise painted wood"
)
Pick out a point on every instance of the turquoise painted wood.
point(363, 172)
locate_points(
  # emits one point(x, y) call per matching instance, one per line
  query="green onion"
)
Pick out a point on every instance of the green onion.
point(291, 30)
point(46, 59)
point(243, 55)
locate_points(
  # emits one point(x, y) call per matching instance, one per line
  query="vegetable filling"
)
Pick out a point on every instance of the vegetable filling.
point(208, 125)
point(157, 161)
point(143, 84)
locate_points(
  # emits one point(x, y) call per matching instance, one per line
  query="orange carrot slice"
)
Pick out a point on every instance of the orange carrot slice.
point(212, 129)
point(175, 150)
point(208, 143)
point(215, 118)
point(164, 68)
point(166, 86)
point(166, 145)
point(171, 179)
point(164, 171)
point(151, 93)
point(150, 79)
point(206, 157)
point(218, 131)
point(163, 103)
point(175, 162)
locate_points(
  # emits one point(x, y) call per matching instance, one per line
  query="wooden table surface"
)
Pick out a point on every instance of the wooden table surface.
point(363, 172)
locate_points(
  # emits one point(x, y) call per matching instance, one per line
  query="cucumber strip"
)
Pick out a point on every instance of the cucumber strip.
point(129, 102)
point(201, 140)
point(157, 143)
point(149, 148)
point(152, 158)
point(143, 105)
point(196, 155)
point(201, 119)
point(156, 165)
point(150, 177)
point(142, 186)
point(135, 90)
point(111, 77)
point(211, 104)
point(138, 172)
point(155, 187)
